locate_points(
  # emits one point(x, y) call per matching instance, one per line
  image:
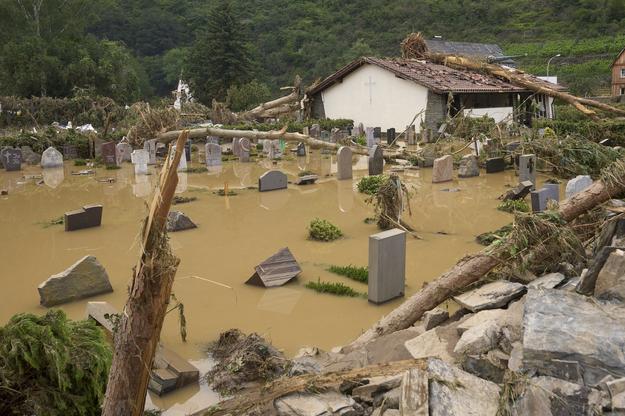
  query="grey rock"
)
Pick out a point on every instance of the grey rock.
point(434, 318)
point(559, 325)
point(490, 296)
point(588, 280)
point(468, 167)
point(308, 404)
point(434, 343)
point(376, 387)
point(389, 348)
point(84, 278)
point(389, 399)
point(443, 169)
point(29, 156)
point(610, 284)
point(413, 397)
point(177, 221)
point(487, 366)
point(479, 339)
point(548, 281)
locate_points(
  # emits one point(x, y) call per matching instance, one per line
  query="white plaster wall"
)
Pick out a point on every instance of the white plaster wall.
point(499, 114)
point(394, 101)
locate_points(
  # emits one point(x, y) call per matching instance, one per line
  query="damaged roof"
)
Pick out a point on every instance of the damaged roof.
point(468, 49)
point(438, 78)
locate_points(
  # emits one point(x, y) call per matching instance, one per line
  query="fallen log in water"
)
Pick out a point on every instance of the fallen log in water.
point(471, 268)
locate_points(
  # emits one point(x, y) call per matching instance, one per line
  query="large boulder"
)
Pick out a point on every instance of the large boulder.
point(610, 282)
point(438, 342)
point(85, 278)
point(490, 296)
point(312, 404)
point(177, 221)
point(29, 156)
point(567, 335)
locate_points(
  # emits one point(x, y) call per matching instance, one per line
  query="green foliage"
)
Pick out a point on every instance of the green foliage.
point(247, 96)
point(371, 184)
point(293, 126)
point(306, 173)
point(197, 169)
point(51, 366)
point(360, 274)
point(178, 199)
point(488, 238)
point(49, 137)
point(512, 206)
point(338, 289)
point(80, 162)
point(323, 230)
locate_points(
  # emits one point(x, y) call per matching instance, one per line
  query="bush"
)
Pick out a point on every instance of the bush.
point(49, 137)
point(52, 366)
point(338, 289)
point(292, 126)
point(370, 184)
point(359, 274)
point(513, 206)
point(323, 230)
point(247, 96)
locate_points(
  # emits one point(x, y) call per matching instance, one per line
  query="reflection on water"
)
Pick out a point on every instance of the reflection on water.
point(234, 235)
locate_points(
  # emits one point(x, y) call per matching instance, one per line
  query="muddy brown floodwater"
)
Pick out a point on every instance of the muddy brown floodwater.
point(235, 234)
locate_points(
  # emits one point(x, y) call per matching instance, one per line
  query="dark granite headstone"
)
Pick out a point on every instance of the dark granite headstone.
point(187, 150)
point(161, 152)
point(69, 152)
point(301, 149)
point(540, 199)
point(271, 181)
point(109, 154)
point(377, 133)
point(12, 159)
point(390, 136)
point(495, 164)
point(519, 192)
point(86, 217)
point(376, 161)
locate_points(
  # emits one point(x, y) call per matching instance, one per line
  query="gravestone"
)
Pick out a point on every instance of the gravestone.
point(70, 152)
point(411, 135)
point(86, 217)
point(244, 155)
point(495, 165)
point(123, 152)
point(187, 150)
point(469, 167)
point(540, 199)
point(390, 136)
point(553, 191)
point(370, 138)
point(140, 159)
point(30, 157)
point(335, 135)
point(51, 158)
point(376, 161)
point(301, 149)
point(520, 192)
point(577, 184)
point(182, 166)
point(377, 134)
point(306, 131)
point(387, 265)
point(161, 150)
point(356, 131)
point(109, 154)
point(527, 169)
point(12, 159)
point(325, 135)
point(443, 169)
point(213, 154)
point(267, 145)
point(212, 139)
point(236, 147)
point(150, 147)
point(344, 163)
point(315, 131)
point(271, 181)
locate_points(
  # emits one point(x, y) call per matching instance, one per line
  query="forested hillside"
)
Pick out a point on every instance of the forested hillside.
point(131, 49)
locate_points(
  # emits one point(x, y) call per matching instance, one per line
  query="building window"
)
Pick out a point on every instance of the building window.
point(622, 72)
point(622, 90)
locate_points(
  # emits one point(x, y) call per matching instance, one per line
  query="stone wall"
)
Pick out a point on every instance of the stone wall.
point(435, 111)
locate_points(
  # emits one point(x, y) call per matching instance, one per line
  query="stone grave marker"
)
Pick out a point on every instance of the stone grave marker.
point(344, 163)
point(123, 152)
point(443, 169)
point(376, 161)
point(236, 147)
point(527, 169)
point(325, 135)
point(301, 149)
point(390, 135)
point(306, 131)
point(411, 135)
point(109, 154)
point(182, 166)
point(150, 147)
point(213, 154)
point(187, 150)
point(51, 158)
point(315, 131)
point(495, 165)
point(577, 184)
point(244, 155)
point(267, 145)
point(335, 135)
point(370, 138)
point(553, 191)
point(140, 159)
point(520, 192)
point(377, 134)
point(468, 167)
point(69, 152)
point(540, 199)
point(12, 159)
point(86, 217)
point(212, 139)
point(29, 156)
point(387, 265)
point(271, 181)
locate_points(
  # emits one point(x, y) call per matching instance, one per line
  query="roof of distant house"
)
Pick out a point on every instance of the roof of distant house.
point(438, 78)
point(468, 49)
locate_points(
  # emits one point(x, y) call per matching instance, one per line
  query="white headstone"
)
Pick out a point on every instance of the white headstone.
point(123, 151)
point(213, 154)
point(51, 158)
point(150, 147)
point(387, 265)
point(140, 159)
point(344, 162)
point(577, 184)
point(370, 138)
point(244, 153)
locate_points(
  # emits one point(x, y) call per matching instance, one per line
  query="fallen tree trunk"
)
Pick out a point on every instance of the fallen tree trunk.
point(471, 268)
point(260, 399)
point(139, 329)
point(284, 103)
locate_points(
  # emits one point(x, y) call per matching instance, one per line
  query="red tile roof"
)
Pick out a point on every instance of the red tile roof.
point(438, 78)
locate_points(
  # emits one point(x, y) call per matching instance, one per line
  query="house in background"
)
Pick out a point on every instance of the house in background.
point(618, 74)
point(388, 93)
point(481, 51)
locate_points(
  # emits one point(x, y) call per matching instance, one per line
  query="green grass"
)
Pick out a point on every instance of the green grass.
point(112, 167)
point(323, 230)
point(80, 162)
point(338, 289)
point(306, 173)
point(200, 169)
point(359, 274)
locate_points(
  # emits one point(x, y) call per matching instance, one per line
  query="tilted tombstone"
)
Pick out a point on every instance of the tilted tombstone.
point(344, 163)
point(271, 181)
point(51, 158)
point(69, 152)
point(213, 154)
point(315, 131)
point(376, 161)
point(123, 152)
point(577, 185)
point(236, 147)
point(140, 159)
point(301, 149)
point(495, 165)
point(370, 138)
point(443, 169)
point(86, 217)
point(390, 135)
point(150, 147)
point(109, 154)
point(244, 155)
point(527, 169)
point(387, 265)
point(182, 166)
point(12, 159)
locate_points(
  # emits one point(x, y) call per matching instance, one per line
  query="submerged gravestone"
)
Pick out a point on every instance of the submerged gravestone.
point(267, 145)
point(411, 135)
point(51, 158)
point(178, 221)
point(520, 192)
point(271, 181)
point(187, 150)
point(495, 165)
point(109, 154)
point(553, 191)
point(86, 217)
point(469, 167)
point(12, 159)
point(315, 131)
point(236, 147)
point(123, 152)
point(527, 168)
point(577, 185)
point(29, 156)
point(150, 147)
point(377, 134)
point(84, 278)
point(443, 169)
point(357, 131)
point(540, 199)
point(390, 135)
point(213, 154)
point(140, 159)
point(182, 165)
point(370, 138)
point(387, 265)
point(376, 161)
point(244, 155)
point(301, 149)
point(344, 163)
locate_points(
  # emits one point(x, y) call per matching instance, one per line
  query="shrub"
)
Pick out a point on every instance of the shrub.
point(359, 274)
point(370, 184)
point(323, 230)
point(513, 206)
point(338, 289)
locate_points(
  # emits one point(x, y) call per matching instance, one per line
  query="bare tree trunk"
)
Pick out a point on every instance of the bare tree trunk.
point(140, 325)
point(470, 269)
